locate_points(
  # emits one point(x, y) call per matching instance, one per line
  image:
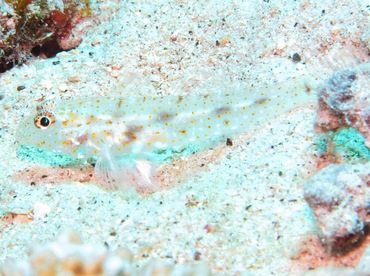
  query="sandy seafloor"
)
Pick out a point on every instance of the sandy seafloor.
point(251, 193)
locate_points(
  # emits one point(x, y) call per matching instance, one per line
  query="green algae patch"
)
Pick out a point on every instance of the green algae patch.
point(351, 144)
point(343, 145)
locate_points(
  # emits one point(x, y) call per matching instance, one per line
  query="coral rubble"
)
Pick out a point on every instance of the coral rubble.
point(69, 256)
point(39, 28)
point(344, 101)
point(339, 196)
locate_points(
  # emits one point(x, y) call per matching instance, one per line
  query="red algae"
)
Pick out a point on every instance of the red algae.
point(38, 28)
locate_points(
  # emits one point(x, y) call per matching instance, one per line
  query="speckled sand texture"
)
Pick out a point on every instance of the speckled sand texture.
point(244, 211)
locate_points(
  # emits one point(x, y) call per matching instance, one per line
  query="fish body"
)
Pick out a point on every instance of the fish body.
point(110, 128)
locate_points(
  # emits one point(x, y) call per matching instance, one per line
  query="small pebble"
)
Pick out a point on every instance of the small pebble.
point(75, 78)
point(46, 84)
point(296, 58)
point(63, 87)
point(281, 44)
point(41, 210)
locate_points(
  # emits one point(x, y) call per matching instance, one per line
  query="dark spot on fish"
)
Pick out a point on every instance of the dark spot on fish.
point(82, 139)
point(179, 99)
point(222, 110)
point(164, 117)
point(131, 133)
point(134, 128)
point(119, 104)
point(261, 101)
point(183, 131)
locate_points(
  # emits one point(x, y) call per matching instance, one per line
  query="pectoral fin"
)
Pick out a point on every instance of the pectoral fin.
point(127, 174)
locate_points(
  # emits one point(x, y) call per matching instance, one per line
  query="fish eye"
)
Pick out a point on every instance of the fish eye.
point(44, 120)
